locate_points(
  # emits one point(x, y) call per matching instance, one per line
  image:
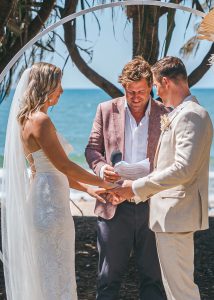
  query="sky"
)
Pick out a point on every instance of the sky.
point(112, 49)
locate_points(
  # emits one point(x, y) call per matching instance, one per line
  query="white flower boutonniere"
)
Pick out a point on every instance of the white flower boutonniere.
point(164, 122)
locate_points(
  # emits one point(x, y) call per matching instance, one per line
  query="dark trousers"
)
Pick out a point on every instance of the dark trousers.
point(126, 231)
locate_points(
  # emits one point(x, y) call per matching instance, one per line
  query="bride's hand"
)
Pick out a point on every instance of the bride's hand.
point(95, 193)
point(120, 193)
point(99, 193)
point(109, 194)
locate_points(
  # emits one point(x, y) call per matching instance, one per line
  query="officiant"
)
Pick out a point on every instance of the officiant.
point(130, 125)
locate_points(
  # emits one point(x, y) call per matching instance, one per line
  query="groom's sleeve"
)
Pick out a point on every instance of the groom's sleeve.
point(193, 135)
point(95, 149)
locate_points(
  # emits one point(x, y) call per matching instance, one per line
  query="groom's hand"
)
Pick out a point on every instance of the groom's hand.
point(109, 174)
point(122, 193)
point(108, 194)
point(119, 194)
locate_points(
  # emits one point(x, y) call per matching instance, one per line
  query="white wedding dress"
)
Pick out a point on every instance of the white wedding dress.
point(52, 227)
point(38, 236)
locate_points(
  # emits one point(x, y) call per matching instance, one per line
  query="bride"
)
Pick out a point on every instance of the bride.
point(38, 233)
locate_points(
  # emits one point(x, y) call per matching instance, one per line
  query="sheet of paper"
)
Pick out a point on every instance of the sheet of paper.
point(133, 171)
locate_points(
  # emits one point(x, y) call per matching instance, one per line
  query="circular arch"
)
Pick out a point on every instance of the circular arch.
point(86, 11)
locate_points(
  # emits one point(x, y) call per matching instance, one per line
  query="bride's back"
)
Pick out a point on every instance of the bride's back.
point(28, 129)
point(43, 90)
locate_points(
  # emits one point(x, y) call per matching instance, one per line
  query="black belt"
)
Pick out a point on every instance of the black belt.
point(131, 201)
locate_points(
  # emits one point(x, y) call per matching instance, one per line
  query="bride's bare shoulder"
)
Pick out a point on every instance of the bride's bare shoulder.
point(41, 121)
point(39, 117)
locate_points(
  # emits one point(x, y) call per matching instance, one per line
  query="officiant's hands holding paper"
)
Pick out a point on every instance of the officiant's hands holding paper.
point(122, 175)
point(127, 172)
point(110, 175)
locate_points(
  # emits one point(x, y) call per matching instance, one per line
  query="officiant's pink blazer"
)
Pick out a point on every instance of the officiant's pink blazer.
point(107, 135)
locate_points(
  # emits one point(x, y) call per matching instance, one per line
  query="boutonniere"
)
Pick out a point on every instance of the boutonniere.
point(164, 122)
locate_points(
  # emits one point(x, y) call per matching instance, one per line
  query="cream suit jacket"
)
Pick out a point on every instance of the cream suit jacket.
point(178, 186)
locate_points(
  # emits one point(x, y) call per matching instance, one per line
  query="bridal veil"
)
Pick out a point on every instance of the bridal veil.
point(20, 269)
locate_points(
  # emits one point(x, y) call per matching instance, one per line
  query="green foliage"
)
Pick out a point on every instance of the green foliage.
point(16, 34)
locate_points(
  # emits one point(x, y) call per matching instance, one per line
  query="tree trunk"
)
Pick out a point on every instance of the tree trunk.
point(145, 31)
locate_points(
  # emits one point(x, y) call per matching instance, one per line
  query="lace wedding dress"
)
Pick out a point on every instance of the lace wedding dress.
point(38, 236)
point(52, 228)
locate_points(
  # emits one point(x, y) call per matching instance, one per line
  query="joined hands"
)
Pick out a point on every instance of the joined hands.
point(114, 190)
point(118, 194)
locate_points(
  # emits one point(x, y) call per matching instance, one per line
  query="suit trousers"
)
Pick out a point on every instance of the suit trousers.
point(126, 231)
point(176, 256)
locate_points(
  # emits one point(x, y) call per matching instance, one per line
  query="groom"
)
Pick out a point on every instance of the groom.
point(178, 186)
point(130, 124)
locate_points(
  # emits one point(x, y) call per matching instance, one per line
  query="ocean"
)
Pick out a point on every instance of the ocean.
point(74, 114)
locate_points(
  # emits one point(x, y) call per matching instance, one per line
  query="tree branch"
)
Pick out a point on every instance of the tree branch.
point(165, 10)
point(199, 72)
point(70, 41)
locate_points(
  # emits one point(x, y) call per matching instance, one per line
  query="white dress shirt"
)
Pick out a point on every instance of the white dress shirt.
point(136, 137)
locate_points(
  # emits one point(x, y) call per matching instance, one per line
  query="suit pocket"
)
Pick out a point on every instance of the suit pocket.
point(173, 194)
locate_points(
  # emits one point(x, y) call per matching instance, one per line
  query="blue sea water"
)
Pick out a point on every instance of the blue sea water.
point(74, 114)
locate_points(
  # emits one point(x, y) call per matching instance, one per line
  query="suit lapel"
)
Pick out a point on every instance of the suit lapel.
point(153, 131)
point(118, 109)
point(161, 136)
point(171, 119)
point(157, 149)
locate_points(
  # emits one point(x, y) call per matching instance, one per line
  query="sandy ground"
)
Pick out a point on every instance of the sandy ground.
point(82, 207)
point(86, 207)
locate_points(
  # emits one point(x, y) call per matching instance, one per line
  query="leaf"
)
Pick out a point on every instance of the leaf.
point(98, 22)
point(206, 28)
point(82, 4)
point(190, 46)
point(170, 29)
point(198, 5)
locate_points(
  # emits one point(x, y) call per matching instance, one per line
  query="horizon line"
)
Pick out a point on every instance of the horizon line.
point(97, 88)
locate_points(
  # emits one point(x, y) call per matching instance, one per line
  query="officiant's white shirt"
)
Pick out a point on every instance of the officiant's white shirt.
point(136, 137)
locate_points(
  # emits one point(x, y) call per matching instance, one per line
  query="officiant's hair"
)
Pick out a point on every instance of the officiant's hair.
point(135, 70)
point(171, 67)
point(43, 80)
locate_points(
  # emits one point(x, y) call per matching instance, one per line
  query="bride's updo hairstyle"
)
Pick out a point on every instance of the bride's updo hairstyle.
point(43, 81)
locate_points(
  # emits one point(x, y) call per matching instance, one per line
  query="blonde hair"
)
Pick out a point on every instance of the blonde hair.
point(44, 79)
point(136, 70)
